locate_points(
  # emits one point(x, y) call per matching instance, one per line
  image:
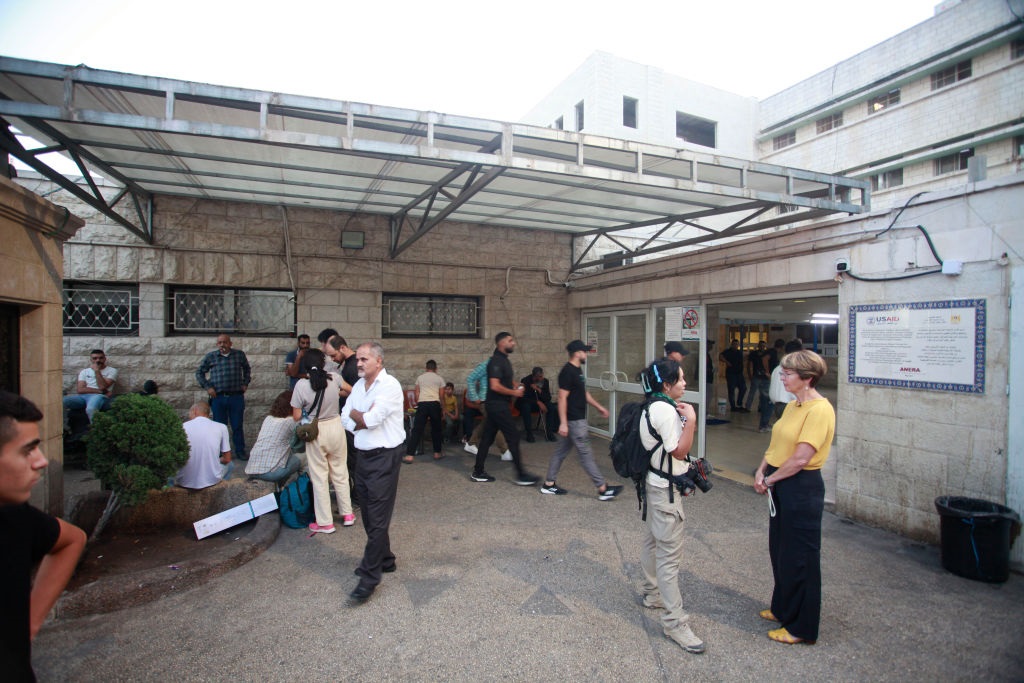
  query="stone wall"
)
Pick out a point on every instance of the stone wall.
point(216, 243)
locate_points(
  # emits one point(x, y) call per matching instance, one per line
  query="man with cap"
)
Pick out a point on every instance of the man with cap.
point(573, 398)
point(500, 389)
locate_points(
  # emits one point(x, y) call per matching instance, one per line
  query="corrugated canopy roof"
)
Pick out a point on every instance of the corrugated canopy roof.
point(157, 136)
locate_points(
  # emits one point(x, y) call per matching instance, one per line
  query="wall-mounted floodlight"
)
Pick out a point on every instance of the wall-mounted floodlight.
point(353, 239)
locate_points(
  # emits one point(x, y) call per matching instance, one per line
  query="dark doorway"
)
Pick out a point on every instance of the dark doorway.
point(10, 356)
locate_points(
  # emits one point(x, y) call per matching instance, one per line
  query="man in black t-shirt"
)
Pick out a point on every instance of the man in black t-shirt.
point(573, 399)
point(338, 350)
point(500, 389)
point(27, 537)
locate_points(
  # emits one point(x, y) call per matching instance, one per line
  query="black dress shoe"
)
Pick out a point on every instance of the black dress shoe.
point(552, 437)
point(529, 437)
point(361, 594)
point(389, 570)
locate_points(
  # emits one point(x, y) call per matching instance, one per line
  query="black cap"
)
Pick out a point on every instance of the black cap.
point(578, 345)
point(675, 347)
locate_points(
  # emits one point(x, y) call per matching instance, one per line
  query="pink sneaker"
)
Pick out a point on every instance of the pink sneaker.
point(317, 529)
point(348, 520)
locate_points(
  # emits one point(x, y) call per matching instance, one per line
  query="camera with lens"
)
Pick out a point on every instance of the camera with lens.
point(696, 477)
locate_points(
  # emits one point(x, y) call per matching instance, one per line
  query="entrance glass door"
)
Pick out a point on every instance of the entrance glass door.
point(620, 342)
point(625, 342)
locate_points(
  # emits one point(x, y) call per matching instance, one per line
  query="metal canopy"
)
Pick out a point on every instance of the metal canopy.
point(156, 136)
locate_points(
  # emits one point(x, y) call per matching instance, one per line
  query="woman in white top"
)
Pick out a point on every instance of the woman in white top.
point(327, 455)
point(674, 422)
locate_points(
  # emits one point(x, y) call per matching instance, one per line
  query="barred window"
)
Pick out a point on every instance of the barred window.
point(784, 140)
point(238, 311)
point(951, 74)
point(413, 315)
point(889, 99)
point(829, 123)
point(101, 309)
point(953, 162)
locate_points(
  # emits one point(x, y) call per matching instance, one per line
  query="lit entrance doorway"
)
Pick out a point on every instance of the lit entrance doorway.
point(626, 341)
point(734, 445)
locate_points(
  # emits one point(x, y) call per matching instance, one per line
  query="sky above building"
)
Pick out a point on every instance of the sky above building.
point(485, 59)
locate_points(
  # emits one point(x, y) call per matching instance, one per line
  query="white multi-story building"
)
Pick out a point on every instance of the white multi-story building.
point(909, 114)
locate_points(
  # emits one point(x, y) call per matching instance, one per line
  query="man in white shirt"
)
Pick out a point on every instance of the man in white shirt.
point(95, 386)
point(209, 446)
point(776, 392)
point(374, 414)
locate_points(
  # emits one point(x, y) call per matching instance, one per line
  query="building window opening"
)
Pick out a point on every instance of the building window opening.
point(695, 129)
point(952, 74)
point(413, 315)
point(784, 140)
point(886, 180)
point(889, 99)
point(237, 311)
point(101, 309)
point(579, 115)
point(629, 111)
point(953, 162)
point(828, 123)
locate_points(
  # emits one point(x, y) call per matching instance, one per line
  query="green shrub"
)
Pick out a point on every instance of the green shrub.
point(135, 446)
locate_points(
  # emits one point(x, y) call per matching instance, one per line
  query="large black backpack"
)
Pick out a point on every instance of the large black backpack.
point(629, 457)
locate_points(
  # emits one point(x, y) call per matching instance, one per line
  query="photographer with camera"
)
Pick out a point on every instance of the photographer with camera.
point(674, 423)
point(790, 475)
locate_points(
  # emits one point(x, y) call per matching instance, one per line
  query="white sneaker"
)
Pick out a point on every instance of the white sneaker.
point(507, 456)
point(684, 637)
point(469, 448)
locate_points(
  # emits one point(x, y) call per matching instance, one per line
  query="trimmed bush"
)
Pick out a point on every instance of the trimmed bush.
point(135, 446)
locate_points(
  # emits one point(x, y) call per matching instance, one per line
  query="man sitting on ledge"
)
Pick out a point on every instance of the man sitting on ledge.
point(209, 457)
point(95, 386)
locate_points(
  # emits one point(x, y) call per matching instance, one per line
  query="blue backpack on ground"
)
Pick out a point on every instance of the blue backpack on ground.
point(295, 503)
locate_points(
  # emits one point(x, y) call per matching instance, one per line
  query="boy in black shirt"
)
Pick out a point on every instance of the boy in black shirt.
point(26, 537)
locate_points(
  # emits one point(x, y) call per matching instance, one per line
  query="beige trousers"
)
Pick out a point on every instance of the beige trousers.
point(327, 463)
point(663, 553)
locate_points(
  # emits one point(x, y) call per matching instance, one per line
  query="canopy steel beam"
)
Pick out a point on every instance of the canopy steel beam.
point(95, 198)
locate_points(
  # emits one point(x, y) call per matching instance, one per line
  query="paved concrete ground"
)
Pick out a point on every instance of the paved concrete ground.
point(498, 582)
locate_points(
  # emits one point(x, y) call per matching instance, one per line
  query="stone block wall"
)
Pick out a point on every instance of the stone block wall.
point(216, 243)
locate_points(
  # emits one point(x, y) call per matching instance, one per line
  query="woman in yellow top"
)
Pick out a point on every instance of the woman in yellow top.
point(790, 474)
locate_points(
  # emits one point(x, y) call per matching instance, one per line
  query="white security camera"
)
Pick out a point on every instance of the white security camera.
point(842, 264)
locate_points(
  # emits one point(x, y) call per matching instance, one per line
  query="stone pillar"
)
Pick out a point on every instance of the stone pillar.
point(32, 231)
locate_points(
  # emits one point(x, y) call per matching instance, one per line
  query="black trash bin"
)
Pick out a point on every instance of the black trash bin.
point(976, 537)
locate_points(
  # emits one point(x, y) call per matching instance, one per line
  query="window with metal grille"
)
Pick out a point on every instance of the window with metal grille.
point(951, 74)
point(889, 99)
point(629, 111)
point(784, 140)
point(953, 162)
point(695, 129)
point(829, 123)
point(883, 181)
point(238, 311)
point(426, 315)
point(108, 309)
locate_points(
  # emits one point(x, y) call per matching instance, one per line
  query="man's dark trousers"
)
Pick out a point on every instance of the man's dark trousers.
point(377, 485)
point(499, 416)
point(229, 409)
point(426, 410)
